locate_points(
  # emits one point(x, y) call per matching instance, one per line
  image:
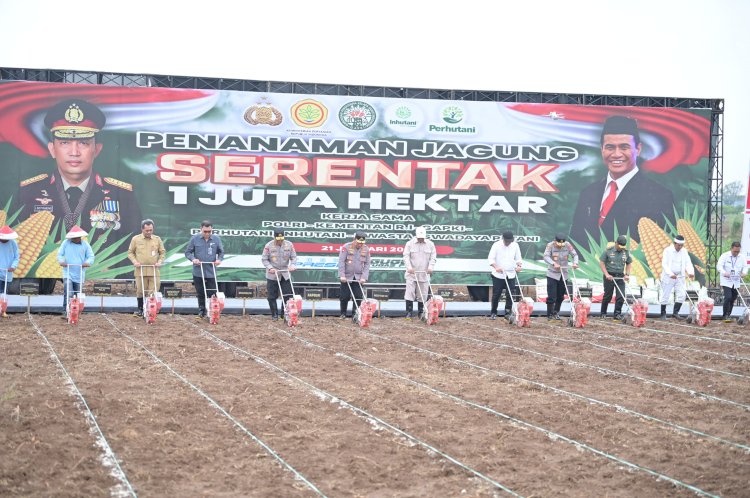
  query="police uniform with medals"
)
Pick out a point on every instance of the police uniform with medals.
point(354, 264)
point(616, 261)
point(103, 203)
point(279, 257)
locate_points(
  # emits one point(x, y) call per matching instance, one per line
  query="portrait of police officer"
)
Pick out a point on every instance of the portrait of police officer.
point(74, 190)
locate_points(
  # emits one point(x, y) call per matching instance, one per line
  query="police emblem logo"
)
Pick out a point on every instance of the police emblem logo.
point(74, 114)
point(263, 113)
point(357, 115)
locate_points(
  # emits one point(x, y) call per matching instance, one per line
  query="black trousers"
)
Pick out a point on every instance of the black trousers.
point(200, 291)
point(498, 286)
point(730, 296)
point(272, 287)
point(555, 294)
point(345, 295)
point(609, 289)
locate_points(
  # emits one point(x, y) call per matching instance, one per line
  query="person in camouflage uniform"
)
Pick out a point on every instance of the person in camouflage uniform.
point(615, 264)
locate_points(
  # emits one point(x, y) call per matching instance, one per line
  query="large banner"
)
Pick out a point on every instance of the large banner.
point(323, 167)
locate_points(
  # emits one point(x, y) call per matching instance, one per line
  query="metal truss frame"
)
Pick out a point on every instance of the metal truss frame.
point(715, 212)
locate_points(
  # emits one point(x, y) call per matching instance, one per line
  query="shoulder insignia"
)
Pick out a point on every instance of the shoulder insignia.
point(118, 183)
point(34, 179)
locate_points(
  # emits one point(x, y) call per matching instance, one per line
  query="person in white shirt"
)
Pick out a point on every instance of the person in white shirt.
point(731, 267)
point(505, 260)
point(420, 257)
point(675, 266)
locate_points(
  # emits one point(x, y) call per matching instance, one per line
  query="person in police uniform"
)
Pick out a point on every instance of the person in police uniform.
point(354, 265)
point(75, 190)
point(279, 258)
point(615, 263)
point(557, 255)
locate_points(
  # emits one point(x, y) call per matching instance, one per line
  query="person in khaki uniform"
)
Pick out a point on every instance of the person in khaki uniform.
point(146, 249)
point(419, 258)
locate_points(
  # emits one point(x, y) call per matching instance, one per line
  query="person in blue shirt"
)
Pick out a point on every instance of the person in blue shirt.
point(8, 258)
point(204, 247)
point(74, 255)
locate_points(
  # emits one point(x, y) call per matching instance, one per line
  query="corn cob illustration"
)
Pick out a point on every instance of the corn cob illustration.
point(638, 270)
point(49, 268)
point(3, 217)
point(693, 241)
point(633, 245)
point(32, 234)
point(653, 242)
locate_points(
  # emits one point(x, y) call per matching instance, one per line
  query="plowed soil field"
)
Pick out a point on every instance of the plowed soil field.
point(465, 407)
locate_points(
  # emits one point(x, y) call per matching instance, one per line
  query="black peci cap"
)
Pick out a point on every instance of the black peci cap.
point(622, 240)
point(560, 237)
point(621, 125)
point(508, 235)
point(278, 232)
point(360, 235)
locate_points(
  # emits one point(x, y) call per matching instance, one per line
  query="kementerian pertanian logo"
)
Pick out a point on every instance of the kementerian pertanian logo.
point(357, 115)
point(453, 114)
point(309, 113)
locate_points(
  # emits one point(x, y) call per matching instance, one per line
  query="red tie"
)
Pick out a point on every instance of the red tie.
point(608, 202)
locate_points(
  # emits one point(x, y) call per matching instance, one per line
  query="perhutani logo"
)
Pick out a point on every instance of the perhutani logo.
point(453, 114)
point(453, 129)
point(357, 115)
point(309, 113)
point(263, 113)
point(403, 118)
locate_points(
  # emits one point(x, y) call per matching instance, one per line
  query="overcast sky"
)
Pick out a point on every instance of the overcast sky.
point(687, 48)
